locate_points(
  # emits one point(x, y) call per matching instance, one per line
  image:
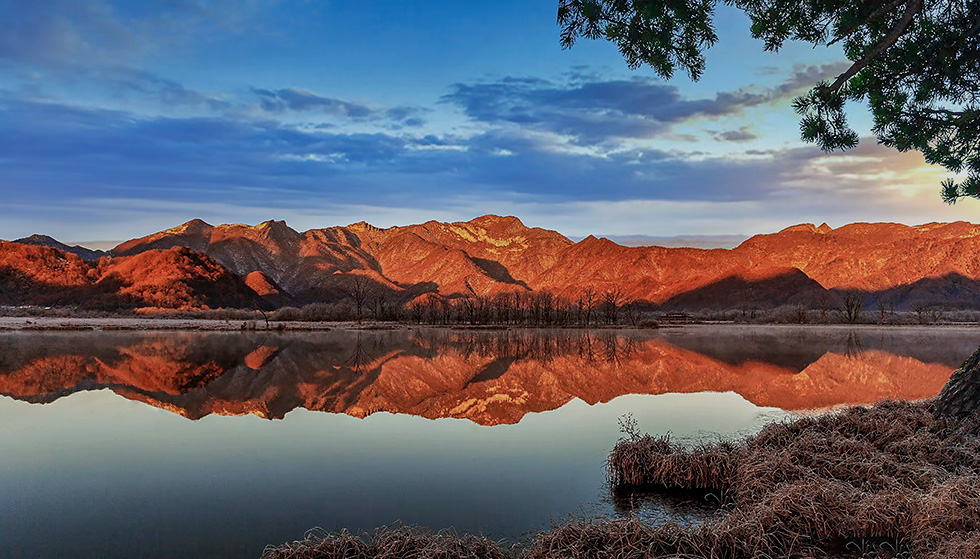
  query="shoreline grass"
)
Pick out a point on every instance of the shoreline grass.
point(883, 480)
point(389, 542)
point(886, 480)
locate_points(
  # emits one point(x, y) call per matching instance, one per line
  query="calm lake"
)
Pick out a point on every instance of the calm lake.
point(213, 445)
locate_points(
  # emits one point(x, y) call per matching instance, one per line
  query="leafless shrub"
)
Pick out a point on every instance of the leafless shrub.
point(928, 313)
point(315, 312)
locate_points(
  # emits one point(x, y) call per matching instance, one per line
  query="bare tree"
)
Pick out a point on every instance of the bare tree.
point(610, 305)
point(801, 314)
point(357, 288)
point(919, 308)
point(850, 307)
point(381, 308)
point(824, 307)
point(927, 313)
point(547, 303)
point(416, 310)
point(587, 303)
point(631, 310)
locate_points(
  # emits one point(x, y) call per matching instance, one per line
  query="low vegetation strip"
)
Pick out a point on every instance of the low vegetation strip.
point(882, 481)
point(389, 542)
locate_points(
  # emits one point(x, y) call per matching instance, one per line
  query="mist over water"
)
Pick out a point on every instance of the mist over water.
point(160, 444)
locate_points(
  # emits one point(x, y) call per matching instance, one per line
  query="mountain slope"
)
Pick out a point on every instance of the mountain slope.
point(178, 278)
point(478, 257)
point(174, 278)
point(872, 256)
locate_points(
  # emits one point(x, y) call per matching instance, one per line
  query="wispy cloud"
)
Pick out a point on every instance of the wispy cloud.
point(741, 134)
point(155, 94)
point(297, 100)
point(67, 33)
point(56, 150)
point(590, 109)
point(128, 81)
point(292, 99)
point(61, 31)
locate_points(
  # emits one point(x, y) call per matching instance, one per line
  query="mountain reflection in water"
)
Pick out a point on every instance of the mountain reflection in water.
point(489, 377)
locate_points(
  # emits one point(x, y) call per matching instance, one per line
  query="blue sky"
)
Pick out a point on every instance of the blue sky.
point(122, 117)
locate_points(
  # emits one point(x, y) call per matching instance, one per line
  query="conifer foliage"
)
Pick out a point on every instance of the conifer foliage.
point(916, 63)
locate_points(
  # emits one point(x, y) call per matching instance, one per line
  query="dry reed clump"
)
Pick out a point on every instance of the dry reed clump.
point(648, 460)
point(389, 542)
point(879, 481)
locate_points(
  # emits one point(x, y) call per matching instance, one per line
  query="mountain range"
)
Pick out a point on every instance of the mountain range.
point(198, 265)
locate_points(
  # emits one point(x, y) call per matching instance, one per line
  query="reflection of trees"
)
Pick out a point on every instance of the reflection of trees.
point(538, 346)
point(358, 357)
point(628, 347)
point(368, 349)
point(429, 372)
point(616, 349)
point(853, 346)
point(586, 350)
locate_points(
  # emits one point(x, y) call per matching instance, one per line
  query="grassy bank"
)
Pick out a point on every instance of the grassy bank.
point(390, 542)
point(886, 479)
point(880, 481)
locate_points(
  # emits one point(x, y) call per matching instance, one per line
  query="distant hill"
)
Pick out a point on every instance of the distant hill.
point(46, 241)
point(680, 241)
point(804, 264)
point(176, 278)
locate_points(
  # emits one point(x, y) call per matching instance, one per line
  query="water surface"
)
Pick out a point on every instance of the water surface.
point(161, 444)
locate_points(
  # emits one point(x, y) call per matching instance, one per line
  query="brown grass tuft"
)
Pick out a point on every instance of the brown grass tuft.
point(885, 480)
point(389, 542)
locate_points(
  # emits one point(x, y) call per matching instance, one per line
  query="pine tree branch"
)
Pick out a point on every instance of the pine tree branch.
point(971, 31)
point(870, 17)
point(914, 6)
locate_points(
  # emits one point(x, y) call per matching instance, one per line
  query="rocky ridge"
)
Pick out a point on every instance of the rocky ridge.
point(805, 264)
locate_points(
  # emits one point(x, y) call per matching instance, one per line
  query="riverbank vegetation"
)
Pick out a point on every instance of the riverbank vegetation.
point(882, 481)
point(324, 312)
point(389, 542)
point(538, 310)
point(887, 479)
